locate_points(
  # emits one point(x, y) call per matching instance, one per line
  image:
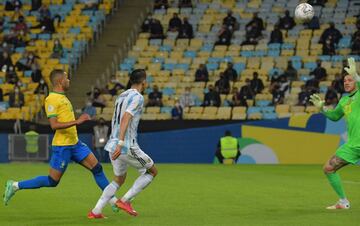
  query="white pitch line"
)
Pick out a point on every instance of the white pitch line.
point(351, 182)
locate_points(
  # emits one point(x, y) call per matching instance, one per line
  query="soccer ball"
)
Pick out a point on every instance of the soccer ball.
point(304, 12)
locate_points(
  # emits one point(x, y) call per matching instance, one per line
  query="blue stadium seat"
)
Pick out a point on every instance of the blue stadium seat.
point(252, 110)
point(274, 46)
point(269, 116)
point(169, 67)
point(263, 103)
point(310, 65)
point(190, 54)
point(27, 73)
point(268, 109)
point(212, 66)
point(158, 60)
point(239, 67)
point(324, 57)
point(274, 53)
point(166, 110)
point(165, 48)
point(155, 42)
point(168, 91)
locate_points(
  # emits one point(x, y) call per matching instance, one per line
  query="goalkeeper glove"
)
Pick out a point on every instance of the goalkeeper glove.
point(316, 101)
point(351, 70)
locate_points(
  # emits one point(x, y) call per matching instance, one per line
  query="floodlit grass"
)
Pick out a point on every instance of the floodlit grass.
point(185, 194)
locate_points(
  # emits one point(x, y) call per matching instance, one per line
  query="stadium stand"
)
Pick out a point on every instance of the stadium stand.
point(38, 38)
point(306, 60)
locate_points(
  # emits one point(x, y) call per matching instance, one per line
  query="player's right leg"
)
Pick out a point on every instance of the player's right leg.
point(330, 169)
point(120, 169)
point(58, 163)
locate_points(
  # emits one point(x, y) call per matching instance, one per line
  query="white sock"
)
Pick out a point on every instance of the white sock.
point(344, 201)
point(140, 183)
point(107, 194)
point(16, 185)
point(113, 200)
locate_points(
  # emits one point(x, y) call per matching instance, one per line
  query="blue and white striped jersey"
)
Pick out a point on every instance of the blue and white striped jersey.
point(130, 101)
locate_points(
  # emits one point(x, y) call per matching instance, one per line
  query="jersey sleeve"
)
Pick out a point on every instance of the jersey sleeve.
point(135, 104)
point(334, 114)
point(51, 108)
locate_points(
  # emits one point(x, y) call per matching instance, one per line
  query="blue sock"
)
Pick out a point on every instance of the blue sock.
point(38, 182)
point(99, 176)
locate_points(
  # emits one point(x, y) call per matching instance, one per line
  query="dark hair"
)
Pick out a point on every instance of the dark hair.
point(55, 74)
point(227, 133)
point(137, 76)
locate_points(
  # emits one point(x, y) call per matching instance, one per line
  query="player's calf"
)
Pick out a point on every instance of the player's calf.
point(99, 176)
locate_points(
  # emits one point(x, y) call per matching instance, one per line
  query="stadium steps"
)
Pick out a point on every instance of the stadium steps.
point(101, 55)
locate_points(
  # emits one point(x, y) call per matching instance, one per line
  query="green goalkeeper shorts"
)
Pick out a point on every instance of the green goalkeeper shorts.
point(348, 153)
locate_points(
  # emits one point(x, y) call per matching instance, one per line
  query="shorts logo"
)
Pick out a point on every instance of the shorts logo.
point(62, 165)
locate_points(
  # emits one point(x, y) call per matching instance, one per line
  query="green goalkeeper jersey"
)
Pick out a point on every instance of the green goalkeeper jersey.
point(348, 106)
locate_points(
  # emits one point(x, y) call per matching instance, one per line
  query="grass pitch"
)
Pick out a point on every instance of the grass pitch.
point(189, 195)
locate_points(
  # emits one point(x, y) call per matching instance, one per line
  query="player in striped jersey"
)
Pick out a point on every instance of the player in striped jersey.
point(124, 149)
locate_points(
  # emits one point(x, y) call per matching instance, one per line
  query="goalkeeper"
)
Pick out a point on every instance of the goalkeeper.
point(349, 153)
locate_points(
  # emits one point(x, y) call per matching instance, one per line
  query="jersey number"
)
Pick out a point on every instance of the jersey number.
point(117, 114)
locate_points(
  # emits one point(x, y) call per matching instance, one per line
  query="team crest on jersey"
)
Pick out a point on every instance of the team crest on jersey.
point(347, 108)
point(50, 108)
point(62, 165)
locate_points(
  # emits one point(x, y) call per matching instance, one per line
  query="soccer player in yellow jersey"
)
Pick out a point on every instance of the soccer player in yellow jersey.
point(65, 144)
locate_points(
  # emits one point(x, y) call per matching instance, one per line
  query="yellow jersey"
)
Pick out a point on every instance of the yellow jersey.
point(58, 105)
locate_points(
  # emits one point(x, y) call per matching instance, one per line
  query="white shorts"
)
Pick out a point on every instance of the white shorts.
point(135, 158)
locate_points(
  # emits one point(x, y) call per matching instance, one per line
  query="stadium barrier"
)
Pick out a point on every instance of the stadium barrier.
point(303, 139)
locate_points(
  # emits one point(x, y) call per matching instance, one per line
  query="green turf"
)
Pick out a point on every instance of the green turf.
point(189, 195)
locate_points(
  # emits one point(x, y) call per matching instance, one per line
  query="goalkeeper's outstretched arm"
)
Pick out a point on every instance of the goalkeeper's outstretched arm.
point(332, 114)
point(351, 70)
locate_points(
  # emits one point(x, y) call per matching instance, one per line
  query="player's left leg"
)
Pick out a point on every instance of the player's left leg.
point(330, 169)
point(58, 164)
point(148, 172)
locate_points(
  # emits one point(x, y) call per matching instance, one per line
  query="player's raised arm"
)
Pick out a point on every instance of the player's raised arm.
point(351, 70)
point(332, 114)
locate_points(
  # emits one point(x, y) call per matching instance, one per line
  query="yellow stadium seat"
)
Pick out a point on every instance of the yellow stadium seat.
point(232, 53)
point(234, 48)
point(239, 113)
point(282, 110)
point(198, 110)
point(209, 113)
point(306, 33)
point(311, 109)
point(108, 110)
point(224, 113)
point(296, 109)
point(350, 20)
point(195, 42)
point(240, 60)
point(182, 42)
point(248, 47)
point(255, 116)
point(153, 110)
point(287, 52)
point(219, 54)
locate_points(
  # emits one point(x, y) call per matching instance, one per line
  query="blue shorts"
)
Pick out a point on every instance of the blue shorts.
point(62, 155)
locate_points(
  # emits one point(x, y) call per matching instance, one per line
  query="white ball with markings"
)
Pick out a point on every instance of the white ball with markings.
point(304, 12)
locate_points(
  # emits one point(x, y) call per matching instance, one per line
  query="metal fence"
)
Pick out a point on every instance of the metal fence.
point(20, 150)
